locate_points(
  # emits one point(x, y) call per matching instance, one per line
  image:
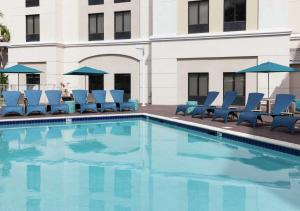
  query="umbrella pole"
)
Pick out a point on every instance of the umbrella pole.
point(256, 82)
point(85, 82)
point(268, 85)
point(18, 82)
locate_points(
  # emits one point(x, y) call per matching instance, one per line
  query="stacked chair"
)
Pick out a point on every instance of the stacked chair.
point(80, 97)
point(33, 102)
point(118, 96)
point(11, 101)
point(102, 105)
point(54, 100)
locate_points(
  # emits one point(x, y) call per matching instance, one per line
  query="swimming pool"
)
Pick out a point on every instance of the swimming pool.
point(139, 164)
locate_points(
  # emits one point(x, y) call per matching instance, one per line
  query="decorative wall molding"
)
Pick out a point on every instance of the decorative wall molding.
point(202, 36)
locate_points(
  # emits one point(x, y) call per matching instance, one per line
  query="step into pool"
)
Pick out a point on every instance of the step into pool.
point(140, 164)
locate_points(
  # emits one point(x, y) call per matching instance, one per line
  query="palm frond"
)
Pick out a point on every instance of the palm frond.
point(4, 33)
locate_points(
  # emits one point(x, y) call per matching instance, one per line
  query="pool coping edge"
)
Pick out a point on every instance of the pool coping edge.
point(236, 134)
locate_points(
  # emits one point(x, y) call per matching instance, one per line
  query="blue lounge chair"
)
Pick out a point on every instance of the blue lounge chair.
point(252, 103)
point(80, 97)
point(211, 96)
point(207, 107)
point(33, 102)
point(11, 101)
point(202, 109)
point(285, 121)
point(118, 96)
point(54, 100)
point(282, 103)
point(100, 96)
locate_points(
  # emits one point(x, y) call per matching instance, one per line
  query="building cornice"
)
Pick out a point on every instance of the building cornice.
point(202, 36)
point(221, 35)
point(295, 37)
point(81, 44)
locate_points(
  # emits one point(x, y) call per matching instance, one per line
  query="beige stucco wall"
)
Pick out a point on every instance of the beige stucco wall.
point(294, 82)
point(294, 16)
point(216, 15)
point(113, 64)
point(108, 8)
point(215, 67)
point(166, 80)
point(252, 15)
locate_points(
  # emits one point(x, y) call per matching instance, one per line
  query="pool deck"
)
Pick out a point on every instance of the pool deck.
point(169, 112)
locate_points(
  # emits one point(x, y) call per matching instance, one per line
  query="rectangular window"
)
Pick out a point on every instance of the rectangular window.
point(123, 25)
point(234, 15)
point(96, 2)
point(198, 16)
point(236, 82)
point(197, 87)
point(96, 82)
point(96, 26)
point(32, 81)
point(121, 1)
point(32, 28)
point(123, 82)
point(32, 3)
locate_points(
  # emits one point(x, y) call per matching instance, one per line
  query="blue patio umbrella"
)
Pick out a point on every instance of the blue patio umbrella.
point(269, 67)
point(20, 69)
point(86, 71)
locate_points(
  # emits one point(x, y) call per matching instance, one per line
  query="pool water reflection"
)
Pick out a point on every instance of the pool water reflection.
point(140, 165)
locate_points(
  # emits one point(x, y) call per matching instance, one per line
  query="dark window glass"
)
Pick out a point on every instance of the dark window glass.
point(197, 87)
point(234, 15)
point(32, 81)
point(236, 82)
point(123, 82)
point(198, 16)
point(121, 1)
point(32, 3)
point(96, 2)
point(32, 28)
point(96, 26)
point(96, 82)
point(123, 25)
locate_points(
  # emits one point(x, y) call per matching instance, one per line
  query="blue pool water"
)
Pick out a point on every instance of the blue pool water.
point(140, 165)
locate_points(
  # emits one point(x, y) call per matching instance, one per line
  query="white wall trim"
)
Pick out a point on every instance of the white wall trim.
point(202, 36)
point(81, 44)
point(295, 37)
point(222, 35)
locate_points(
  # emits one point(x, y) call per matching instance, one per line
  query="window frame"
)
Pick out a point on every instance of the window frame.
point(94, 2)
point(121, 1)
point(95, 36)
point(198, 28)
point(34, 78)
point(240, 99)
point(198, 98)
point(127, 95)
point(234, 25)
point(123, 34)
point(34, 37)
point(32, 3)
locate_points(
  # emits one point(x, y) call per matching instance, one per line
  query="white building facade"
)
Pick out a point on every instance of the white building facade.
point(158, 51)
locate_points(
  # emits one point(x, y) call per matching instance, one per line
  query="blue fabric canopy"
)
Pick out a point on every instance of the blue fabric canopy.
point(268, 67)
point(20, 69)
point(86, 71)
